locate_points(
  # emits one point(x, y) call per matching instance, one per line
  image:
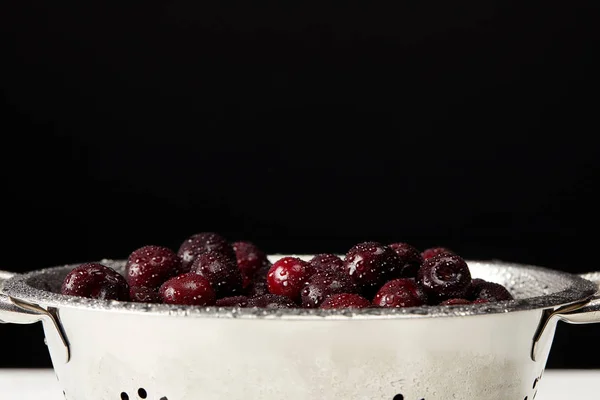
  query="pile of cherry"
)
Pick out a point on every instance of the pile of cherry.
point(208, 270)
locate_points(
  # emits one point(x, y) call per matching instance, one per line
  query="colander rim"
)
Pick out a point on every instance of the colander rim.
point(23, 287)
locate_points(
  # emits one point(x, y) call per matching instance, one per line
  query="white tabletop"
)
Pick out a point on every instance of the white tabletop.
point(36, 384)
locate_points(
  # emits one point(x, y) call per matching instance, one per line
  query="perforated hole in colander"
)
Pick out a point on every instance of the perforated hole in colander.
point(142, 394)
point(535, 384)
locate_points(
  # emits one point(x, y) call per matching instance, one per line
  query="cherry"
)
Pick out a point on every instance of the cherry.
point(322, 285)
point(345, 300)
point(474, 287)
point(199, 243)
point(398, 293)
point(434, 251)
point(490, 291)
point(150, 266)
point(189, 289)
point(370, 265)
point(271, 301)
point(221, 271)
point(249, 260)
point(233, 301)
point(141, 294)
point(95, 281)
point(327, 262)
point(258, 285)
point(444, 276)
point(287, 277)
point(410, 259)
point(208, 270)
point(454, 302)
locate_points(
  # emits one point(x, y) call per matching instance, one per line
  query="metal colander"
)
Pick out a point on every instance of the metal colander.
point(119, 350)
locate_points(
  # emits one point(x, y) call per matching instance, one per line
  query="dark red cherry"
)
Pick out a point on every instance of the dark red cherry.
point(324, 284)
point(455, 302)
point(287, 277)
point(443, 277)
point(434, 251)
point(95, 281)
point(233, 301)
point(490, 291)
point(249, 260)
point(370, 265)
point(410, 259)
point(150, 266)
point(221, 271)
point(141, 294)
point(327, 262)
point(271, 301)
point(345, 300)
point(258, 285)
point(473, 289)
point(188, 289)
point(200, 243)
point(398, 293)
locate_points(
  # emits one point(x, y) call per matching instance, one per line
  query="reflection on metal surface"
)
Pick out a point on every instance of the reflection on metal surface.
point(19, 312)
point(587, 312)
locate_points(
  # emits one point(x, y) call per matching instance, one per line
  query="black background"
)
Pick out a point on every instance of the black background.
point(304, 127)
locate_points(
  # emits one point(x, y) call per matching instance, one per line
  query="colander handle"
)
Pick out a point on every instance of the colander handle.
point(590, 312)
point(10, 312)
point(17, 312)
point(580, 313)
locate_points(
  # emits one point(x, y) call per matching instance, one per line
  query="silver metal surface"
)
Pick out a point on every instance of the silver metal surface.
point(189, 353)
point(18, 312)
point(590, 312)
point(587, 312)
point(181, 358)
point(9, 312)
